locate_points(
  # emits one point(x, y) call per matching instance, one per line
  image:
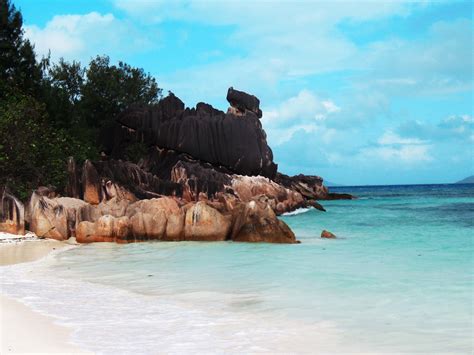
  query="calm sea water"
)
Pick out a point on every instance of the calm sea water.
point(398, 279)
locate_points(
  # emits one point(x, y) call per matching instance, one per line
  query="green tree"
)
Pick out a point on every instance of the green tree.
point(62, 87)
point(49, 112)
point(18, 66)
point(31, 153)
point(109, 89)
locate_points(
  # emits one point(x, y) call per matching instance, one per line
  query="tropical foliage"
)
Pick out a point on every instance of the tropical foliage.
point(50, 111)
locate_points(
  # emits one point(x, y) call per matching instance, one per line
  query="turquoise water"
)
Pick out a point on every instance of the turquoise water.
point(398, 279)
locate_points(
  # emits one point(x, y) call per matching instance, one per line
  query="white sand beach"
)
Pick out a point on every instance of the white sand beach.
point(22, 330)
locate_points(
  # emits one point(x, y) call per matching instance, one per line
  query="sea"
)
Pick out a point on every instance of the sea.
point(398, 279)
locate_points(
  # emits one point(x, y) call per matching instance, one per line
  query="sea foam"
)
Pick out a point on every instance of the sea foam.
point(297, 211)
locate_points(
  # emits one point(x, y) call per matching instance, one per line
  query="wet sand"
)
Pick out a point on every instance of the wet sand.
point(23, 330)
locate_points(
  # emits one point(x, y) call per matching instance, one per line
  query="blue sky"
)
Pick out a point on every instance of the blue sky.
point(375, 92)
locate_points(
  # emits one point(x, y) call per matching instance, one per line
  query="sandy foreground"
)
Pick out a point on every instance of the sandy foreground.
point(22, 330)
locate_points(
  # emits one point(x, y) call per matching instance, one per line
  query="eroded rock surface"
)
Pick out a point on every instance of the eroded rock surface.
point(203, 175)
point(12, 213)
point(54, 218)
point(205, 223)
point(236, 142)
point(255, 221)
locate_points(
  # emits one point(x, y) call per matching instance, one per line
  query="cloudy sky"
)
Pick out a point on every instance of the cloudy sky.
point(376, 92)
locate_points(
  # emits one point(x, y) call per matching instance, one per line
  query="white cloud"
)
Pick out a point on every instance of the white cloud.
point(84, 36)
point(456, 128)
point(305, 106)
point(392, 148)
point(389, 138)
point(306, 111)
point(409, 154)
point(439, 62)
point(274, 48)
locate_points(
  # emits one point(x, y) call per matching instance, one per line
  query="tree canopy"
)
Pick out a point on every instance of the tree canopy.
point(50, 111)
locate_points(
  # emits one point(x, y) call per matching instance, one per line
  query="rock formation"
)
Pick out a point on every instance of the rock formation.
point(235, 142)
point(12, 213)
point(256, 222)
point(328, 235)
point(205, 175)
point(54, 218)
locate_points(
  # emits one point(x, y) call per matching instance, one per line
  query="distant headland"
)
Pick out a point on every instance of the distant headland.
point(468, 180)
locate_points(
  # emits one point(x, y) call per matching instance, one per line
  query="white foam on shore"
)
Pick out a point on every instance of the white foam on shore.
point(109, 320)
point(297, 211)
point(13, 238)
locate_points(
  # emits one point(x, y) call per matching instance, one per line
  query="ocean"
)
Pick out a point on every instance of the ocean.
point(398, 279)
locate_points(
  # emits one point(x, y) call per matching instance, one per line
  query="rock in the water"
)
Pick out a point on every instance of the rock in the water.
point(310, 186)
point(204, 223)
point(327, 234)
point(316, 205)
point(338, 196)
point(12, 213)
point(256, 222)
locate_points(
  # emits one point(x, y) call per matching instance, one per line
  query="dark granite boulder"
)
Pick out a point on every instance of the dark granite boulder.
point(310, 186)
point(237, 143)
point(243, 101)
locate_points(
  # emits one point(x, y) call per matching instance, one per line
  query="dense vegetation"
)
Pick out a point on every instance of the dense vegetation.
point(50, 111)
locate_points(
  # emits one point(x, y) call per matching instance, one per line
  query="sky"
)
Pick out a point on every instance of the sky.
point(374, 92)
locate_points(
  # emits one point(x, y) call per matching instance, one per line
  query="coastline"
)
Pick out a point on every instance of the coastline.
point(23, 330)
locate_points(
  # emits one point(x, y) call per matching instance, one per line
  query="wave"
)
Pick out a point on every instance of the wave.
point(109, 320)
point(297, 211)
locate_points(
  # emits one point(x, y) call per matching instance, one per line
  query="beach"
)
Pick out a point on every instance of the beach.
point(396, 279)
point(23, 330)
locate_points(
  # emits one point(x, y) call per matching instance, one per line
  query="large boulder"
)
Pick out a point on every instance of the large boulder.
point(242, 102)
point(204, 223)
point(54, 218)
point(255, 221)
point(160, 218)
point(148, 226)
point(12, 213)
point(115, 207)
point(106, 229)
point(280, 198)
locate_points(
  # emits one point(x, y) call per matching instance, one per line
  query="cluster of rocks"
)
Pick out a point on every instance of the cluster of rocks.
point(205, 175)
point(166, 218)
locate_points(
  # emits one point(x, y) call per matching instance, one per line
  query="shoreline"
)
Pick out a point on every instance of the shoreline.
point(23, 330)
